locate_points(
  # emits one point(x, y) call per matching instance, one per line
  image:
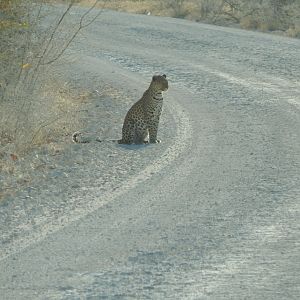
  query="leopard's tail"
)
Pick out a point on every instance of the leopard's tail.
point(77, 137)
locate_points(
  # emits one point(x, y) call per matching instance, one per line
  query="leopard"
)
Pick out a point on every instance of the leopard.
point(141, 122)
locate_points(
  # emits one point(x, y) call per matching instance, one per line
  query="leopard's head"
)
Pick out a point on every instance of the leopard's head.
point(160, 83)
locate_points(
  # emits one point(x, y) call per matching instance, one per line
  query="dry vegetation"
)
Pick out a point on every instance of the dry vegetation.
point(280, 16)
point(37, 105)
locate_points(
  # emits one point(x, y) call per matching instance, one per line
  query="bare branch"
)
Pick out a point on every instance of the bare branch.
point(80, 27)
point(54, 31)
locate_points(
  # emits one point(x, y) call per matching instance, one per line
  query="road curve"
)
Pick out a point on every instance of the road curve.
point(213, 211)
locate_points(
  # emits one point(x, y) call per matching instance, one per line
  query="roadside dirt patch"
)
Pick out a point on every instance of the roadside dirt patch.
point(73, 108)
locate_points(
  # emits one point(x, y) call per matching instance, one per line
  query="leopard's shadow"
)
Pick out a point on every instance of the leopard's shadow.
point(134, 147)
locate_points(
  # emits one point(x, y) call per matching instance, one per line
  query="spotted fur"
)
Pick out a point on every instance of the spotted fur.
point(141, 122)
point(143, 117)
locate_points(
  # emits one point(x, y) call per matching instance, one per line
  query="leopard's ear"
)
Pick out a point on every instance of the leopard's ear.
point(164, 75)
point(154, 77)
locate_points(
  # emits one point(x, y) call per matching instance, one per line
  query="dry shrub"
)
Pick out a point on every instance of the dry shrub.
point(268, 22)
point(293, 31)
point(33, 108)
point(248, 23)
point(210, 10)
point(177, 8)
point(56, 114)
point(38, 108)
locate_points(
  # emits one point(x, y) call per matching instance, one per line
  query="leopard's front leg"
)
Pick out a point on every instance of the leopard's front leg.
point(153, 128)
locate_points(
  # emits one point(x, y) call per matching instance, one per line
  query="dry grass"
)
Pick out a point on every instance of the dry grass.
point(51, 119)
point(60, 116)
point(139, 7)
point(51, 147)
point(35, 104)
point(38, 107)
point(48, 134)
point(294, 31)
point(263, 15)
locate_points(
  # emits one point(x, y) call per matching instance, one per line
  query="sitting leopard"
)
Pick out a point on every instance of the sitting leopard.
point(141, 122)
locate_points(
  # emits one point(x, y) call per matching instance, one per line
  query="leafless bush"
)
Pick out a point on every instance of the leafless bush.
point(33, 36)
point(210, 10)
point(265, 15)
point(177, 8)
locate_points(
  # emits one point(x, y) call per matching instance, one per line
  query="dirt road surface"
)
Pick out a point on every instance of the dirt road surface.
point(210, 213)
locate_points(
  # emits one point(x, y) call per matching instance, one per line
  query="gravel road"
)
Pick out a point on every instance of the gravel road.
point(210, 213)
